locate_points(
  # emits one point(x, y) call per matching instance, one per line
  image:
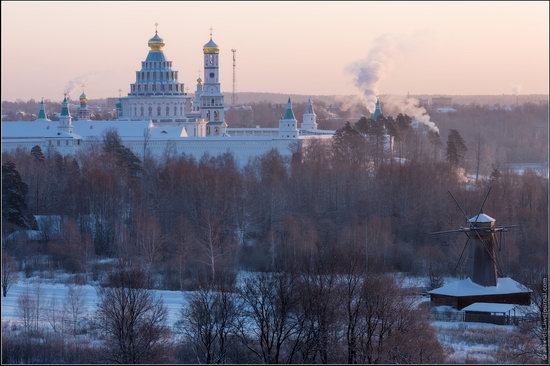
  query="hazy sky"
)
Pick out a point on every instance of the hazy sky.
point(303, 48)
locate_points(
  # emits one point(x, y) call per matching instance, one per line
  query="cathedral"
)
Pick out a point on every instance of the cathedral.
point(157, 116)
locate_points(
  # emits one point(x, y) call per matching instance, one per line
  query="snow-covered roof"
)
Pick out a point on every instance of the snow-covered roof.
point(490, 307)
point(34, 129)
point(49, 223)
point(481, 218)
point(466, 287)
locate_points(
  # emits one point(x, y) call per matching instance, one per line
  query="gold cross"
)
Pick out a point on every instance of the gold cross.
point(156, 28)
point(211, 29)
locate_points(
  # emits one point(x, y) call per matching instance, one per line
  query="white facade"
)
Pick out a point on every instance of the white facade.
point(159, 119)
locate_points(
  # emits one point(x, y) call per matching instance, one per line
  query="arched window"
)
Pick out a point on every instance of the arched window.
point(158, 110)
point(175, 110)
point(181, 111)
point(207, 131)
point(208, 115)
point(141, 110)
point(150, 111)
point(216, 115)
point(167, 110)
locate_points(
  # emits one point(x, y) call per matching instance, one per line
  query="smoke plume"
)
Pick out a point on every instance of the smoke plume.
point(410, 107)
point(76, 84)
point(369, 71)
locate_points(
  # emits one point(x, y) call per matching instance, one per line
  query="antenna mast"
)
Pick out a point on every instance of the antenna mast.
point(233, 96)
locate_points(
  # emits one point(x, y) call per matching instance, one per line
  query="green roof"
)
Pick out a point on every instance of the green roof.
point(64, 108)
point(42, 111)
point(289, 114)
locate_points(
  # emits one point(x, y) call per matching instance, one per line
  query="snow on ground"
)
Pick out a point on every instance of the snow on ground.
point(471, 342)
point(53, 289)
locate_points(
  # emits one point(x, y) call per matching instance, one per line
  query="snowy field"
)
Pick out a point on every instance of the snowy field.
point(471, 342)
point(53, 289)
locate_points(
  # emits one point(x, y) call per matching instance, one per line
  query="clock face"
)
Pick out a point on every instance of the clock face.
point(212, 74)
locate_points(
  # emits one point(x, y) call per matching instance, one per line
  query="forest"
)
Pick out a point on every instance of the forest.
point(330, 222)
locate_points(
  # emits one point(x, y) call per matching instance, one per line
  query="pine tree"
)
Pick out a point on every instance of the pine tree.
point(14, 191)
point(456, 148)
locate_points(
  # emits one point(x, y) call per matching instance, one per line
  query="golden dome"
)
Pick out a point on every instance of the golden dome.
point(156, 43)
point(211, 47)
point(83, 98)
point(199, 81)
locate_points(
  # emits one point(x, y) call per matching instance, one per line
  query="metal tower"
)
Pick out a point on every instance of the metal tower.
point(233, 96)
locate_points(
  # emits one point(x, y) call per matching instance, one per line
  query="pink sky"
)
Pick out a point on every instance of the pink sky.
point(303, 48)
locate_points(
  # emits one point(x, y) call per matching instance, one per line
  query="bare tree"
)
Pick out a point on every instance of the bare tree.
point(132, 319)
point(270, 326)
point(9, 272)
point(74, 307)
point(26, 307)
point(207, 323)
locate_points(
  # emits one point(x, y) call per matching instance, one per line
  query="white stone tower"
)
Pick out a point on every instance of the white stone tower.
point(309, 122)
point(83, 111)
point(42, 116)
point(65, 119)
point(212, 106)
point(197, 98)
point(288, 124)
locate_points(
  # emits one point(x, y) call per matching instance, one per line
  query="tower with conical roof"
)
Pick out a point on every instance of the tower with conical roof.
point(156, 94)
point(288, 124)
point(65, 119)
point(42, 116)
point(197, 98)
point(309, 121)
point(212, 105)
point(83, 111)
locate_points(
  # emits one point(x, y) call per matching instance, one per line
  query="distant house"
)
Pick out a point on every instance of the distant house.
point(494, 313)
point(460, 294)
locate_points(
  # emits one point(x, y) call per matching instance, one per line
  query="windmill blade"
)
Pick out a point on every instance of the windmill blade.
point(483, 203)
point(506, 226)
point(461, 254)
point(447, 231)
point(457, 205)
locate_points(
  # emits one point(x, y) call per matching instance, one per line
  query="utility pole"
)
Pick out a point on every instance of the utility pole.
point(478, 155)
point(233, 96)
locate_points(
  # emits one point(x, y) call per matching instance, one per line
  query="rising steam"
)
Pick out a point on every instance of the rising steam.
point(76, 83)
point(370, 71)
point(411, 107)
point(373, 68)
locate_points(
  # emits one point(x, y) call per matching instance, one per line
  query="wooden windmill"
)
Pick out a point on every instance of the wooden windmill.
point(481, 230)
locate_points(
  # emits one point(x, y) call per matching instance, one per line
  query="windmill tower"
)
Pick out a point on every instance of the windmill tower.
point(486, 282)
point(481, 231)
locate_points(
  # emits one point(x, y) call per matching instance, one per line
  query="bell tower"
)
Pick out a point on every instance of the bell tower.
point(212, 105)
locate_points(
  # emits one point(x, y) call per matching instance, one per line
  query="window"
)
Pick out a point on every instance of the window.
point(150, 111)
point(170, 87)
point(158, 110)
point(181, 111)
point(154, 87)
point(175, 110)
point(139, 88)
point(141, 111)
point(167, 110)
point(135, 111)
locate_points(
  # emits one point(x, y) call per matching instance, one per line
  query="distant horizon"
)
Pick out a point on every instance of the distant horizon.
point(306, 48)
